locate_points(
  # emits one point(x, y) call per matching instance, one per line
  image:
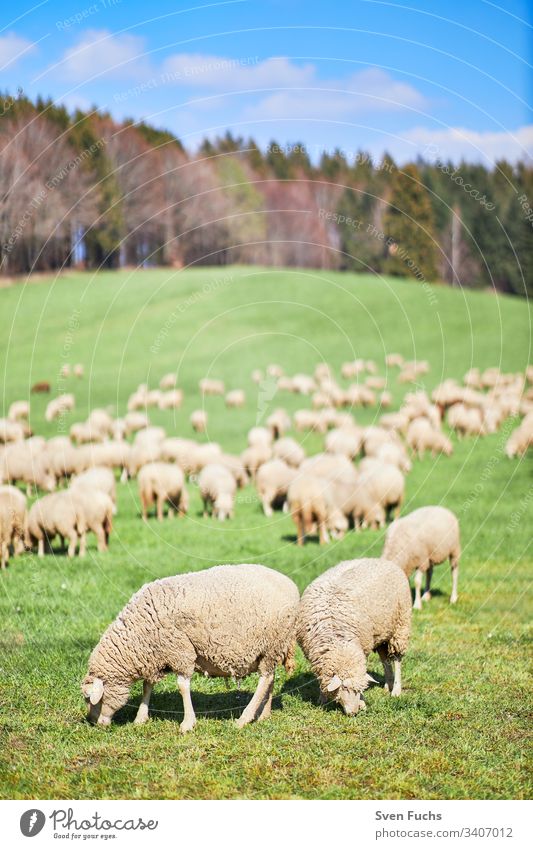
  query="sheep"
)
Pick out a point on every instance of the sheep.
point(303, 384)
point(466, 421)
point(209, 386)
point(521, 438)
point(62, 457)
point(227, 621)
point(84, 433)
point(354, 608)
point(41, 387)
point(395, 454)
point(352, 369)
point(11, 431)
point(422, 437)
point(329, 466)
point(344, 440)
point(142, 454)
point(257, 376)
point(98, 510)
point(359, 396)
point(234, 465)
point(385, 399)
point(309, 420)
point(171, 400)
point(13, 522)
point(217, 488)
point(311, 503)
point(394, 360)
point(150, 436)
point(162, 483)
point(259, 436)
point(57, 513)
point(27, 463)
point(380, 493)
point(78, 371)
point(274, 370)
point(272, 481)
point(420, 541)
point(18, 410)
point(235, 398)
point(198, 420)
point(65, 370)
point(278, 423)
point(288, 450)
point(97, 478)
point(59, 406)
point(101, 420)
point(168, 381)
point(135, 421)
point(254, 456)
point(114, 454)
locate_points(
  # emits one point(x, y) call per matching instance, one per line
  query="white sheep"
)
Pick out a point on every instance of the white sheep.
point(227, 621)
point(354, 608)
point(99, 478)
point(272, 481)
point(162, 483)
point(18, 410)
point(421, 540)
point(13, 522)
point(235, 398)
point(288, 450)
point(56, 514)
point(217, 488)
point(198, 420)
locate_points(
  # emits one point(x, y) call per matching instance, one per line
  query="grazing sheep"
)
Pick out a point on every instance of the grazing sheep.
point(142, 454)
point(259, 436)
point(274, 370)
point(254, 457)
point(13, 522)
point(78, 370)
point(171, 400)
point(422, 437)
point(198, 420)
point(234, 465)
point(257, 375)
point(329, 466)
point(162, 483)
point(309, 420)
point(83, 433)
point(227, 621)
point(354, 608)
point(344, 440)
point(168, 381)
point(58, 406)
point(208, 386)
point(521, 438)
point(56, 514)
point(395, 454)
point(101, 420)
point(135, 421)
point(311, 503)
point(98, 510)
point(65, 370)
point(19, 410)
point(466, 421)
point(380, 493)
point(288, 450)
point(272, 481)
point(235, 398)
point(11, 431)
point(217, 488)
point(41, 387)
point(98, 478)
point(394, 360)
point(29, 463)
point(278, 422)
point(150, 436)
point(420, 541)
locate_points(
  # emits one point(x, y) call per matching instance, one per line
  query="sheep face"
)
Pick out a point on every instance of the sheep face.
point(224, 506)
point(349, 679)
point(344, 692)
point(103, 699)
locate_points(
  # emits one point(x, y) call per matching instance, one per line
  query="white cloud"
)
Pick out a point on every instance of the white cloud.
point(458, 143)
point(12, 48)
point(225, 73)
point(99, 53)
point(370, 90)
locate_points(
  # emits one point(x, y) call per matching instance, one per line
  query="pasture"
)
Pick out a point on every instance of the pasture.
point(460, 729)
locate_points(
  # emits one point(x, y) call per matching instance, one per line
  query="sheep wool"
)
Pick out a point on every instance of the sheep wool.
point(354, 608)
point(227, 621)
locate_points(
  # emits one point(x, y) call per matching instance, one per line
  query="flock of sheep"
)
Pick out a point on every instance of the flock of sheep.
point(232, 620)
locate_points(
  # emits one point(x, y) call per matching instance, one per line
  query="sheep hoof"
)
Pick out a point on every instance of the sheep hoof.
point(417, 605)
point(187, 726)
point(426, 596)
point(140, 720)
point(396, 692)
point(453, 599)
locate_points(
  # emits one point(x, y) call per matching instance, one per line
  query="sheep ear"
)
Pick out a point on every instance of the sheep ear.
point(334, 684)
point(97, 691)
point(370, 679)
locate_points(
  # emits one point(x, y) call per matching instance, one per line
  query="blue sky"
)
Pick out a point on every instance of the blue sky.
point(448, 79)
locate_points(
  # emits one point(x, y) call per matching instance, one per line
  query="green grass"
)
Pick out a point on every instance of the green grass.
point(460, 728)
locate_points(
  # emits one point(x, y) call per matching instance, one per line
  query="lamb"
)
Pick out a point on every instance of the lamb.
point(354, 608)
point(217, 488)
point(288, 450)
point(57, 513)
point(421, 540)
point(235, 398)
point(227, 621)
point(198, 421)
point(162, 483)
point(98, 510)
point(273, 481)
point(97, 478)
point(311, 503)
point(13, 522)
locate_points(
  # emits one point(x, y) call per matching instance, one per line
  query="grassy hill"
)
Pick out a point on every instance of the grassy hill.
point(459, 730)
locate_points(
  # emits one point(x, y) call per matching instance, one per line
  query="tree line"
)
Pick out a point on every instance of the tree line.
point(83, 190)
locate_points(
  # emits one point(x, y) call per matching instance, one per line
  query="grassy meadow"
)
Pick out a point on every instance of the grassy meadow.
point(460, 729)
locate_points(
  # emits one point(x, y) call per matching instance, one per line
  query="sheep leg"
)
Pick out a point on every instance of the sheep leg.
point(142, 713)
point(267, 708)
point(5, 555)
point(322, 533)
point(144, 508)
point(397, 688)
point(100, 540)
point(62, 541)
point(83, 544)
point(123, 475)
point(427, 594)
point(454, 563)
point(258, 700)
point(267, 509)
point(40, 547)
point(189, 719)
point(160, 503)
point(387, 668)
point(418, 586)
point(72, 544)
point(300, 528)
